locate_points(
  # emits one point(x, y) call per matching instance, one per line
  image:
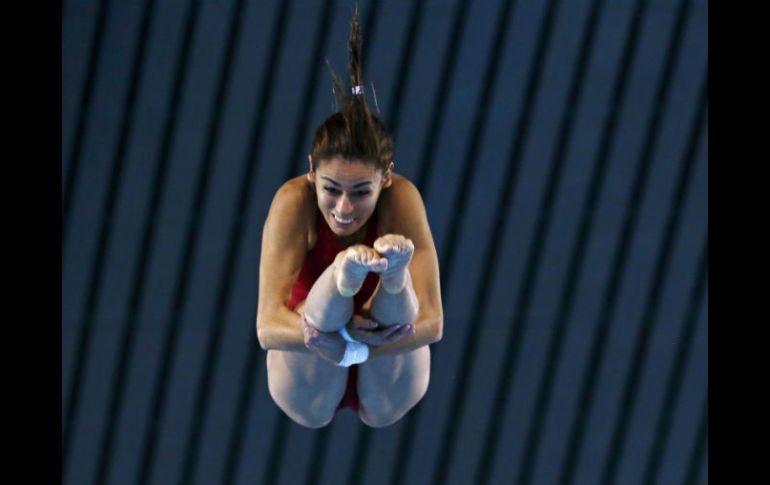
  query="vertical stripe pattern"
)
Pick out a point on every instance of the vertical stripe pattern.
point(561, 151)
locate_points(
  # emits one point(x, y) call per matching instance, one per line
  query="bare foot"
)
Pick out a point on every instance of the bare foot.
point(352, 266)
point(398, 251)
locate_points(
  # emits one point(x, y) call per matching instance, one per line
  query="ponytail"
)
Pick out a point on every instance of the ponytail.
point(353, 133)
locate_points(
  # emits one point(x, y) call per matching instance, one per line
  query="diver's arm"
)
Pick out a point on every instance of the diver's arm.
point(284, 246)
point(420, 300)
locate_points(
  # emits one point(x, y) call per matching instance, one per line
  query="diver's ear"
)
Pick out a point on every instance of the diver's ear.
point(310, 173)
point(387, 179)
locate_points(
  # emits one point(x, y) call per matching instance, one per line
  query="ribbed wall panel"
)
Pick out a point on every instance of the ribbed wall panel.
point(561, 150)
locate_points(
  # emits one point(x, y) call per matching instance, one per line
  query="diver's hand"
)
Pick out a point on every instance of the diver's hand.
point(370, 332)
point(328, 345)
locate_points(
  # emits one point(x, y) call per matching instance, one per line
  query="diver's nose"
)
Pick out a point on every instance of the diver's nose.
point(344, 206)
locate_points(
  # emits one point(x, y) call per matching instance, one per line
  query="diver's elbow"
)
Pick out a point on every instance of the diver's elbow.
point(437, 330)
point(263, 335)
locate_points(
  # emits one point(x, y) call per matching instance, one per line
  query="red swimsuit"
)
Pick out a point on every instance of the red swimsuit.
point(316, 262)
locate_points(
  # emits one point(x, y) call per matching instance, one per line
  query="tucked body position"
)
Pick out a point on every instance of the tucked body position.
point(349, 297)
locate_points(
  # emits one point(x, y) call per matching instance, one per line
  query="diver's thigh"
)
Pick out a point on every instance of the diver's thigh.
point(389, 386)
point(306, 387)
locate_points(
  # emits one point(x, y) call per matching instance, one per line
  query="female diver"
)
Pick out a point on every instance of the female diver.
point(349, 294)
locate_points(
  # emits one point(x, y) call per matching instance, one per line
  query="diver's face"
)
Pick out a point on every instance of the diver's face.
point(347, 192)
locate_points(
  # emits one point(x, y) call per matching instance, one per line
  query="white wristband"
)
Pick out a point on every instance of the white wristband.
point(355, 352)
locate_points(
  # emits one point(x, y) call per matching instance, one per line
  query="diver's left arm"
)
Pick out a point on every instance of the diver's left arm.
point(419, 302)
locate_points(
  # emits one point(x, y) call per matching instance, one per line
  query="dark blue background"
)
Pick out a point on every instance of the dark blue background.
point(561, 150)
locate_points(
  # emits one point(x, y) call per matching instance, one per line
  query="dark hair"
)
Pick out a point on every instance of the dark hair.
point(353, 133)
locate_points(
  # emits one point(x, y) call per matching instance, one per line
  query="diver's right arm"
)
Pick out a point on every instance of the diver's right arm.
point(284, 246)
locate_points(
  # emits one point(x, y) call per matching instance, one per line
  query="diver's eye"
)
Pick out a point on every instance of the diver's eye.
point(363, 193)
point(332, 190)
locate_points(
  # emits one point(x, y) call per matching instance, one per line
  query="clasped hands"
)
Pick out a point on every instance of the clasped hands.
point(331, 345)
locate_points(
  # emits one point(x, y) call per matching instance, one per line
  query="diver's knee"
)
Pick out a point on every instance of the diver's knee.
point(379, 420)
point(380, 413)
point(310, 421)
point(310, 412)
point(304, 415)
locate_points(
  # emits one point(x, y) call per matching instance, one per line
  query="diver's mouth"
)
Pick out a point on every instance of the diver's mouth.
point(342, 221)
